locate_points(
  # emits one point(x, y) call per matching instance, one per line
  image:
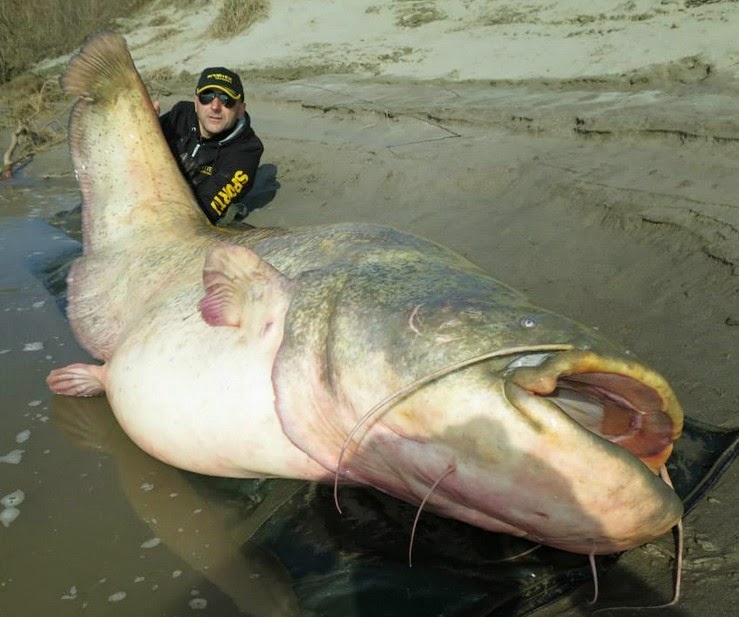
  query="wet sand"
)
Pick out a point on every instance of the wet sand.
point(611, 202)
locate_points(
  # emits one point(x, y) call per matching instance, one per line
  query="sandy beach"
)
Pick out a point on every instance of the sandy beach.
point(587, 156)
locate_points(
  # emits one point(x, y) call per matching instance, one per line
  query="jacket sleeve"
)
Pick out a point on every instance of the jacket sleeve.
point(174, 122)
point(232, 177)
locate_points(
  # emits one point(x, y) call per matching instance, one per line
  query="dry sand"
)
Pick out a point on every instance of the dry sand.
point(585, 155)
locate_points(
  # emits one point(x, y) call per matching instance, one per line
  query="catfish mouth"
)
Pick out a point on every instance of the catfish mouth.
point(618, 400)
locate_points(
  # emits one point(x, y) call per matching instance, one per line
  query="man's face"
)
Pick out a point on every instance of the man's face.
point(215, 117)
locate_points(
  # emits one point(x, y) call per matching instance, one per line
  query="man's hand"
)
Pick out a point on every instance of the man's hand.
point(156, 106)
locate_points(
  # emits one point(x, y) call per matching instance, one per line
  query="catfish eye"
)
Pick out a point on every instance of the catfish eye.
point(528, 322)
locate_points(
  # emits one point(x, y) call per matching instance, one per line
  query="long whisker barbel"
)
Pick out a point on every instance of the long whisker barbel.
point(450, 469)
point(679, 551)
point(384, 405)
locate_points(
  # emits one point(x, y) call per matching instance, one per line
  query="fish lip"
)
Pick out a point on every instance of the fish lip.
point(640, 411)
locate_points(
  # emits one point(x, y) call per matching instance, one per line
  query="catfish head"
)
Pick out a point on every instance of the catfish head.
point(538, 427)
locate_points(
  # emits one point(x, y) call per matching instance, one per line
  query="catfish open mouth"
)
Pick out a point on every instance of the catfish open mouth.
point(619, 400)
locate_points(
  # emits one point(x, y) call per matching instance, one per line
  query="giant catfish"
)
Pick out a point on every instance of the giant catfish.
point(259, 352)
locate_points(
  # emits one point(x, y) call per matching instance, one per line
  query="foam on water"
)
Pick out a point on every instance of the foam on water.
point(13, 457)
point(8, 515)
point(13, 499)
point(151, 543)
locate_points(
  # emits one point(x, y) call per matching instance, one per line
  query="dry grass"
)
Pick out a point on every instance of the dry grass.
point(31, 116)
point(235, 16)
point(33, 109)
point(29, 97)
point(33, 30)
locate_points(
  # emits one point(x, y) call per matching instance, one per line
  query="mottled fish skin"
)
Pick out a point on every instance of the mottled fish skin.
point(257, 353)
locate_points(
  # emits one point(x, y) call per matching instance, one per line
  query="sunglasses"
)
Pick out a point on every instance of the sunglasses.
point(207, 97)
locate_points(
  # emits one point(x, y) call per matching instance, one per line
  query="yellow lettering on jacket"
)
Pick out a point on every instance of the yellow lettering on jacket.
point(229, 191)
point(217, 205)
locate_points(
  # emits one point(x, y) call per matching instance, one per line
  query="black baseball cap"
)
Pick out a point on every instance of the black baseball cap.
point(220, 78)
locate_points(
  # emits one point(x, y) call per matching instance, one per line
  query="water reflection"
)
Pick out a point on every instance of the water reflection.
point(212, 536)
point(81, 530)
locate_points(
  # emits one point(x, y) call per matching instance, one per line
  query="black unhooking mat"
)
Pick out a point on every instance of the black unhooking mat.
point(355, 564)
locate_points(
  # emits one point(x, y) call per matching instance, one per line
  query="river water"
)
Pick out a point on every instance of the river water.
point(85, 514)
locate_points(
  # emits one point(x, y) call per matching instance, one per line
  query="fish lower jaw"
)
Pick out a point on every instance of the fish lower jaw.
point(596, 541)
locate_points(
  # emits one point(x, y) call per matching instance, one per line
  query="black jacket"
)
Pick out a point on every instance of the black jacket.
point(220, 169)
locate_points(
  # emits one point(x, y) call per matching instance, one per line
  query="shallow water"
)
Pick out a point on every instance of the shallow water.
point(85, 514)
point(61, 552)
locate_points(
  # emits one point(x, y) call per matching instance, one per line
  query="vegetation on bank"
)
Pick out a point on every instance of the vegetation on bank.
point(35, 30)
point(235, 16)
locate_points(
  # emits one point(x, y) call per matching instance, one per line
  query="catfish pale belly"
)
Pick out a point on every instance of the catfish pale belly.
point(259, 352)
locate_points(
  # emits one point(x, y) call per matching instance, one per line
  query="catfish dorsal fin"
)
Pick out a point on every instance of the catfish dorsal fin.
point(242, 290)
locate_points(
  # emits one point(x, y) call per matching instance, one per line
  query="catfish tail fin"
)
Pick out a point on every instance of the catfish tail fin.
point(131, 185)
